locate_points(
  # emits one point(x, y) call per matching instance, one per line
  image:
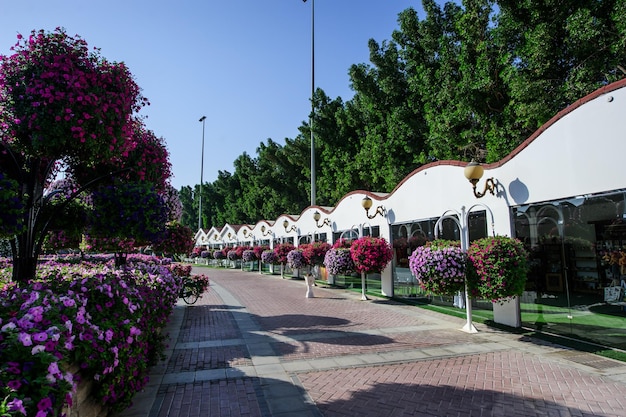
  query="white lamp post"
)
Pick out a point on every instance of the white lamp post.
point(462, 221)
point(202, 119)
point(313, 191)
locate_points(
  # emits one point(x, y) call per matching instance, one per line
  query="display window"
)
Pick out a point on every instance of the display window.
point(577, 276)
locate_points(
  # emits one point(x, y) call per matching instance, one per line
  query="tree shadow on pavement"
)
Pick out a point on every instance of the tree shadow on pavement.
point(413, 399)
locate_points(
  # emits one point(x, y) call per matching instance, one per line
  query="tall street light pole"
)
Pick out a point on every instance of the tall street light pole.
point(202, 119)
point(312, 101)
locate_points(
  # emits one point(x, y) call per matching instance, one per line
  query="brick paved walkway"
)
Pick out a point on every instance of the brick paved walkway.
point(255, 346)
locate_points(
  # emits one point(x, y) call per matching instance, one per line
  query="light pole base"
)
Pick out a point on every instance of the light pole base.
point(364, 297)
point(469, 328)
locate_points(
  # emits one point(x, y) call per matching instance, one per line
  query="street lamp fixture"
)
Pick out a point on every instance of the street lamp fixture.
point(290, 229)
point(474, 172)
point(269, 232)
point(367, 205)
point(317, 216)
point(202, 119)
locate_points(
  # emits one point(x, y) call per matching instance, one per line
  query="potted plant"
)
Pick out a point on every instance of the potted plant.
point(439, 267)
point(497, 267)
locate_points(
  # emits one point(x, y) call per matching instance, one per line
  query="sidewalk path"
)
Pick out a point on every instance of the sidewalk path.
point(253, 345)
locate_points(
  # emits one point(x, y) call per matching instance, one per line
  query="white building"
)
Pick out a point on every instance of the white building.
point(562, 192)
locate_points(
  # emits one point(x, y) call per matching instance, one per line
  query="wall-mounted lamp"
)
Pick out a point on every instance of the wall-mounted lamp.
point(290, 229)
point(269, 232)
point(229, 235)
point(317, 216)
point(215, 236)
point(367, 205)
point(474, 172)
point(245, 232)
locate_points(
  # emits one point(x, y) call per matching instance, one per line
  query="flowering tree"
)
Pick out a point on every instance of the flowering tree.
point(178, 240)
point(62, 105)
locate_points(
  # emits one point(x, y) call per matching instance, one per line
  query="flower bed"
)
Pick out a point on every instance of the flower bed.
point(88, 321)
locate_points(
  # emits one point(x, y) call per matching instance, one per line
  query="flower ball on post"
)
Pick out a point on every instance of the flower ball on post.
point(269, 257)
point(370, 254)
point(497, 268)
point(296, 259)
point(439, 267)
point(338, 261)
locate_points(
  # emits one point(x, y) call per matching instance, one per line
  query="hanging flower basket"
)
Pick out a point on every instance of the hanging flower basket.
point(371, 254)
point(258, 250)
point(269, 257)
point(233, 255)
point(248, 256)
point(315, 252)
point(439, 269)
point(282, 250)
point(338, 261)
point(296, 260)
point(219, 254)
point(497, 267)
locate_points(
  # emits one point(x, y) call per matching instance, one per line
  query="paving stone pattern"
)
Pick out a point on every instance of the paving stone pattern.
point(254, 345)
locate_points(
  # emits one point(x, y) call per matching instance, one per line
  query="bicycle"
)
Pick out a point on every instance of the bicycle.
point(192, 288)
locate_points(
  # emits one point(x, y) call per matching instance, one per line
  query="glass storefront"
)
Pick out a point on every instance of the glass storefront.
point(578, 266)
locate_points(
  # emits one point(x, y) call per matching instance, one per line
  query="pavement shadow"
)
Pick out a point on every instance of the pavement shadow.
point(299, 321)
point(238, 395)
point(408, 399)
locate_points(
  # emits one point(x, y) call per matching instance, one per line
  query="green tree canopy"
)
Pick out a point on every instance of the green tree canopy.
point(470, 80)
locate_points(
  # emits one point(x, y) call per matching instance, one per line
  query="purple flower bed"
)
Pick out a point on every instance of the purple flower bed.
point(104, 320)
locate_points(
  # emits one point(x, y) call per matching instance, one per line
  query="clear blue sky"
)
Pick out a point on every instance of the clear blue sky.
point(245, 65)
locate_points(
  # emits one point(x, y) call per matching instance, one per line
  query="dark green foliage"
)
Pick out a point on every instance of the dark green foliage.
point(469, 81)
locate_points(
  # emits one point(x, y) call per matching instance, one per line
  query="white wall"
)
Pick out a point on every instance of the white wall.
point(580, 151)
